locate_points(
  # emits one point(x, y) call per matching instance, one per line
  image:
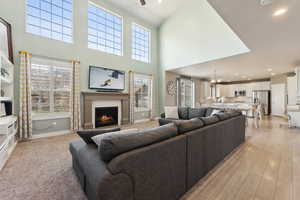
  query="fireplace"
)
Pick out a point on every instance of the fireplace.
point(106, 116)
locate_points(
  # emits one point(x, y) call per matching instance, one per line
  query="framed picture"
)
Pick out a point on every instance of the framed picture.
point(6, 39)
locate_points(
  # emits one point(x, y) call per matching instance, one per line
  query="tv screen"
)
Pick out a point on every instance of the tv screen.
point(106, 79)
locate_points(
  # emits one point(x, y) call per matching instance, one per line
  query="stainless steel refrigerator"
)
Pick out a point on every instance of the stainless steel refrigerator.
point(262, 97)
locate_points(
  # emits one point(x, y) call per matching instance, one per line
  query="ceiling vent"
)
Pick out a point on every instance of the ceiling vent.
point(266, 2)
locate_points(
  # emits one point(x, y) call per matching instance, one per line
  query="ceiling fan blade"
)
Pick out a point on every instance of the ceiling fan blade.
point(143, 2)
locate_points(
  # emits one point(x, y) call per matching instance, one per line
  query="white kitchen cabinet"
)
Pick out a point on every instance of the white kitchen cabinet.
point(229, 90)
point(292, 90)
point(298, 83)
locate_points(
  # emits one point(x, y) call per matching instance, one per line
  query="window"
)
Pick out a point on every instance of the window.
point(140, 43)
point(104, 30)
point(50, 18)
point(186, 93)
point(143, 92)
point(51, 86)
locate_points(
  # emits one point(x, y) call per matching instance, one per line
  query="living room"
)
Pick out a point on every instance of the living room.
point(141, 99)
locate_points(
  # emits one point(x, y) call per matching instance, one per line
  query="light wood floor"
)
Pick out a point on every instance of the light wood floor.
point(266, 167)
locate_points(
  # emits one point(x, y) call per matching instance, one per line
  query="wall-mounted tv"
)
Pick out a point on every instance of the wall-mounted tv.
point(104, 79)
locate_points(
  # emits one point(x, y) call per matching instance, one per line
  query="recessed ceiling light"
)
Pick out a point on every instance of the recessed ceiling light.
point(269, 70)
point(280, 12)
point(159, 1)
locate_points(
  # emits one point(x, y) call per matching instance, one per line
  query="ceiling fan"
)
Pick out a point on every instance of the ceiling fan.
point(143, 2)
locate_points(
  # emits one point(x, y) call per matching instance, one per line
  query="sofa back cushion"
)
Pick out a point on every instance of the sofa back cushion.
point(234, 113)
point(208, 112)
point(188, 125)
point(183, 113)
point(87, 135)
point(223, 116)
point(197, 112)
point(210, 120)
point(116, 144)
point(98, 138)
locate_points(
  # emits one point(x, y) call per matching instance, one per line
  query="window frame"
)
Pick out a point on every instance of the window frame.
point(149, 42)
point(52, 114)
point(179, 92)
point(50, 38)
point(112, 13)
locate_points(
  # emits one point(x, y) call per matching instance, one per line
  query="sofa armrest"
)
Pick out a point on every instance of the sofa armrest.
point(164, 121)
point(86, 135)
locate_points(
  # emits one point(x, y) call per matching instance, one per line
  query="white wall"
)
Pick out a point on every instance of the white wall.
point(196, 34)
point(14, 12)
point(193, 35)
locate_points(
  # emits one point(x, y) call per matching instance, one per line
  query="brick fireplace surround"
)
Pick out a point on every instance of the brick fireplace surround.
point(90, 97)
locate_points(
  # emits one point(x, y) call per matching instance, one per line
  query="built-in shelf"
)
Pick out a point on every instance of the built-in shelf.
point(5, 80)
point(8, 124)
point(5, 99)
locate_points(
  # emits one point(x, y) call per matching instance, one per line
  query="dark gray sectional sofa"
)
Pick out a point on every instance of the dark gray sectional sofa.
point(169, 160)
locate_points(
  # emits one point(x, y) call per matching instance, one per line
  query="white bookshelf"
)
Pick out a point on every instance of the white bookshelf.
point(8, 124)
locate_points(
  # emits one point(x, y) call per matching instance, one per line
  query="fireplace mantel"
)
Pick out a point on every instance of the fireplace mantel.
point(89, 97)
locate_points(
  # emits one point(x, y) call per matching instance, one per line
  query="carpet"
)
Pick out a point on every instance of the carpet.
point(41, 169)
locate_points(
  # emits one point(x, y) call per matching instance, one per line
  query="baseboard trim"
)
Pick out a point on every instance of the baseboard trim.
point(141, 121)
point(51, 134)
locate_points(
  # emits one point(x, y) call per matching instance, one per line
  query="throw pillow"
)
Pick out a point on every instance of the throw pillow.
point(215, 111)
point(98, 138)
point(171, 112)
point(86, 135)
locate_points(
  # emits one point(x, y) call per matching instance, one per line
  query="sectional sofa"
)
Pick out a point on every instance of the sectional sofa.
point(161, 163)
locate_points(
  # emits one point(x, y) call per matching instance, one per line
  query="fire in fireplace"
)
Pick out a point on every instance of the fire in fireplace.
point(106, 116)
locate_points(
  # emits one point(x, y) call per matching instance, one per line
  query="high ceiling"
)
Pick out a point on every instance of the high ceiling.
point(152, 13)
point(274, 41)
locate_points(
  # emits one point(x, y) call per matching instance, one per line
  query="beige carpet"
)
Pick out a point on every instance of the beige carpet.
point(42, 170)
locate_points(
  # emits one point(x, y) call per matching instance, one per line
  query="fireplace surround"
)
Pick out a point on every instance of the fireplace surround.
point(91, 100)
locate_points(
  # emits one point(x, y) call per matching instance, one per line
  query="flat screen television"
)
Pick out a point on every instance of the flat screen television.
point(104, 79)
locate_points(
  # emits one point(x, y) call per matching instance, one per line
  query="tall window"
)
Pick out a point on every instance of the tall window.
point(186, 93)
point(140, 43)
point(143, 92)
point(50, 18)
point(51, 86)
point(104, 30)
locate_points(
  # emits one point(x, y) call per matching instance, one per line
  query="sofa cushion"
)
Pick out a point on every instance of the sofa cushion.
point(188, 125)
point(208, 112)
point(223, 116)
point(171, 112)
point(210, 120)
point(197, 112)
point(98, 138)
point(183, 113)
point(114, 145)
point(234, 113)
point(86, 135)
